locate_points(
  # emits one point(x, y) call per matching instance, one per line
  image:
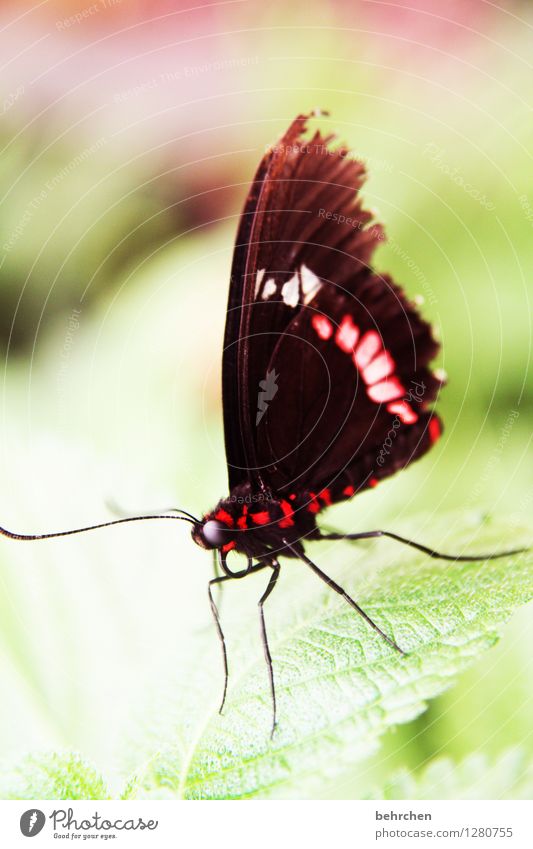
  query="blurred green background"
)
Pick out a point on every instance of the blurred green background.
point(128, 134)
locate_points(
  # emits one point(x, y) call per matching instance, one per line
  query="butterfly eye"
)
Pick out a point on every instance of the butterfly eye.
point(215, 533)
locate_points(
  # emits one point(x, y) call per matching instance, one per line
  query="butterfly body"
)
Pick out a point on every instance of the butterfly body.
point(258, 524)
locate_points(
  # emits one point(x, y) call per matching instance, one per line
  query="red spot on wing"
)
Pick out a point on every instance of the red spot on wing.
point(373, 482)
point(313, 506)
point(348, 491)
point(292, 496)
point(402, 409)
point(368, 347)
point(385, 390)
point(229, 545)
point(322, 326)
point(261, 518)
point(434, 429)
point(288, 513)
point(325, 495)
point(347, 335)
point(375, 365)
point(224, 516)
point(381, 367)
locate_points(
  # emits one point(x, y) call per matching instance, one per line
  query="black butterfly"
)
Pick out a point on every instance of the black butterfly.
point(326, 379)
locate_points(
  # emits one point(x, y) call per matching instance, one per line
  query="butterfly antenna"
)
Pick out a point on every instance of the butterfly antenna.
point(12, 535)
point(118, 510)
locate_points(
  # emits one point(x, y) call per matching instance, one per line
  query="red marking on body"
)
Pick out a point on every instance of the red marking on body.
point(373, 482)
point(325, 495)
point(224, 516)
point(402, 409)
point(313, 506)
point(292, 496)
point(386, 390)
point(229, 545)
point(348, 491)
point(242, 520)
point(381, 367)
point(288, 513)
point(434, 429)
point(260, 518)
point(347, 335)
point(322, 326)
point(368, 347)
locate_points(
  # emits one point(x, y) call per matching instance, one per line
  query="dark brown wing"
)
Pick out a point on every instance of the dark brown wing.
point(353, 390)
point(302, 222)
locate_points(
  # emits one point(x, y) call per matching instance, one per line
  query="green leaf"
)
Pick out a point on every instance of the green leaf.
point(509, 776)
point(339, 685)
point(56, 776)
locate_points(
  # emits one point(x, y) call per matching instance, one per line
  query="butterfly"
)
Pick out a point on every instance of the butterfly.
point(327, 383)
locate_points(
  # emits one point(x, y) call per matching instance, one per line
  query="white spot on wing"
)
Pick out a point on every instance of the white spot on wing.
point(269, 288)
point(310, 283)
point(258, 281)
point(290, 291)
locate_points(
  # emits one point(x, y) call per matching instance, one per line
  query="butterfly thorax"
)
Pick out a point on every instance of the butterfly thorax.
point(256, 522)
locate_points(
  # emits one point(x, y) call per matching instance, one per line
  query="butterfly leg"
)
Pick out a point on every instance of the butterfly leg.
point(229, 576)
point(214, 609)
point(424, 548)
point(218, 599)
point(216, 571)
point(268, 657)
point(338, 589)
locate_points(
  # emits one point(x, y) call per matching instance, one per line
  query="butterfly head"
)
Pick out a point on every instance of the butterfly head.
point(211, 533)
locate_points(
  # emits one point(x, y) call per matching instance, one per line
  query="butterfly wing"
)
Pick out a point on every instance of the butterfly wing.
point(290, 224)
point(354, 385)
